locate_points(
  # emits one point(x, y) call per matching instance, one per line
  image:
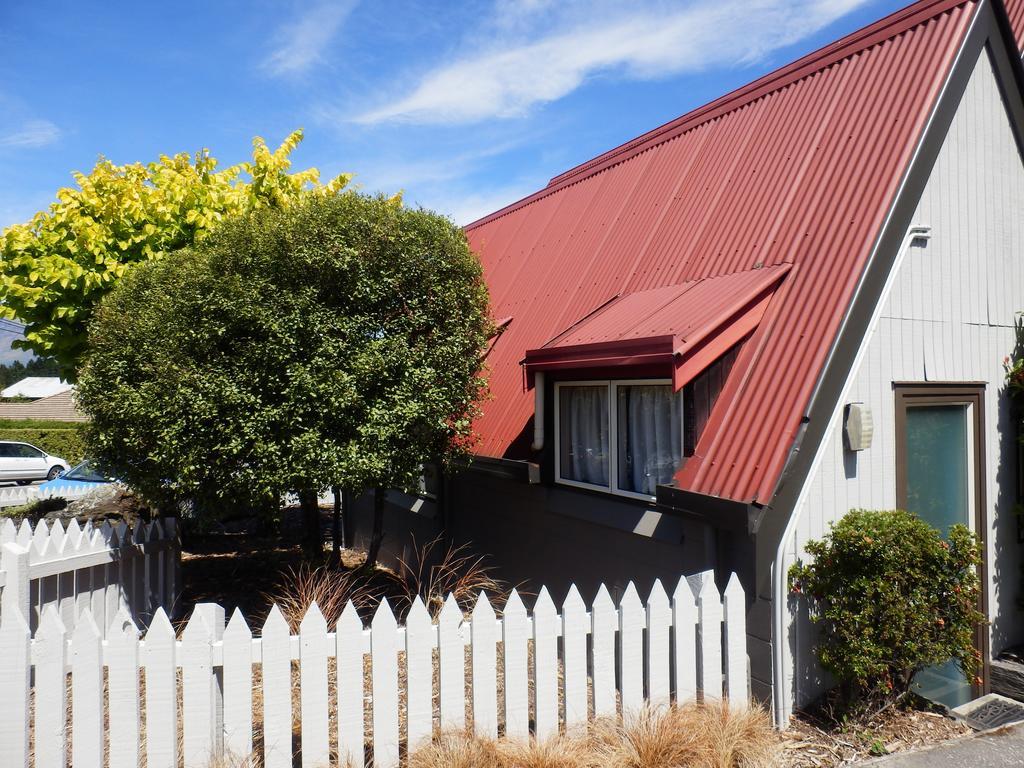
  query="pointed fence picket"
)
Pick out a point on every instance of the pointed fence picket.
point(349, 671)
point(419, 674)
point(637, 653)
point(277, 691)
point(515, 636)
point(384, 681)
point(484, 646)
point(100, 568)
point(237, 669)
point(314, 648)
point(545, 666)
point(574, 654)
point(123, 692)
point(604, 626)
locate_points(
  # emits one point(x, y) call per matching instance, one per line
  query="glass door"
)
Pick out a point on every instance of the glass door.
point(939, 478)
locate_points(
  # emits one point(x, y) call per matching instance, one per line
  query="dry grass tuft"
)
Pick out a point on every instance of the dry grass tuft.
point(457, 750)
point(330, 588)
point(433, 574)
point(741, 738)
point(556, 752)
point(690, 736)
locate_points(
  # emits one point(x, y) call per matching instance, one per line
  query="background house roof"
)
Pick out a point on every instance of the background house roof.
point(58, 407)
point(35, 387)
point(799, 168)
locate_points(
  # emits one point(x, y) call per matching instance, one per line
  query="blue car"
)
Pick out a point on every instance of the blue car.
point(81, 477)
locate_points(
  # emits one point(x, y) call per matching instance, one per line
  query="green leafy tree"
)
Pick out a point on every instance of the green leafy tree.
point(335, 343)
point(892, 597)
point(55, 268)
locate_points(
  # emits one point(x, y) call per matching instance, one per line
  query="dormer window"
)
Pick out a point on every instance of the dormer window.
point(628, 437)
point(618, 432)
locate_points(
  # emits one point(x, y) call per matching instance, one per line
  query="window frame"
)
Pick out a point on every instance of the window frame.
point(612, 385)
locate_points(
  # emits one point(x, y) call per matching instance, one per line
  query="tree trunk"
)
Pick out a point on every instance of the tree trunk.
point(348, 518)
point(336, 527)
point(379, 495)
point(312, 541)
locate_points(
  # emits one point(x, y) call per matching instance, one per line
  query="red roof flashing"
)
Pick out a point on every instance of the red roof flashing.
point(680, 326)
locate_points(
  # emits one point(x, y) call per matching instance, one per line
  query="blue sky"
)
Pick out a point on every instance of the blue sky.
point(465, 106)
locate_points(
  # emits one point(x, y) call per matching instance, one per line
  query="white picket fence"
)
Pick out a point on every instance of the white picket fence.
point(15, 496)
point(607, 661)
point(107, 569)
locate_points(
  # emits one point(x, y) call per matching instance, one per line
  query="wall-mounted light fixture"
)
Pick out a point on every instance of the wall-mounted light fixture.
point(858, 427)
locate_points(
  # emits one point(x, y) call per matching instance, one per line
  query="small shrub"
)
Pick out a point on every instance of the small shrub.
point(892, 598)
point(455, 571)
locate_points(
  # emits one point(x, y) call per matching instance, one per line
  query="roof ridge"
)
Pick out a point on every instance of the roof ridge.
point(885, 28)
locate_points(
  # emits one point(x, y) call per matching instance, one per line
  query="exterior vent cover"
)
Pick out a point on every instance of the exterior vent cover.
point(990, 711)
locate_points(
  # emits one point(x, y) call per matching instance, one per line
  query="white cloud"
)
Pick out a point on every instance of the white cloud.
point(467, 208)
point(390, 175)
point(504, 75)
point(300, 44)
point(31, 135)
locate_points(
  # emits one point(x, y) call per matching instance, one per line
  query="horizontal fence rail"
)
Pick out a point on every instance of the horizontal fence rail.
point(105, 568)
point(15, 496)
point(362, 693)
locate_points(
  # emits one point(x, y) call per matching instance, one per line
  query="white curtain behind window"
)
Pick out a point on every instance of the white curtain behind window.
point(649, 440)
point(584, 434)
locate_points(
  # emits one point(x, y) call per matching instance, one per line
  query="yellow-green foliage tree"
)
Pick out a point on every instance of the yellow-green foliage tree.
point(55, 268)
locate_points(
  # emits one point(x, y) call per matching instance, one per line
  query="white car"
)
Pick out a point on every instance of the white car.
point(23, 463)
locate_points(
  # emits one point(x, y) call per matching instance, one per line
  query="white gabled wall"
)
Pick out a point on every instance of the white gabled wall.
point(949, 317)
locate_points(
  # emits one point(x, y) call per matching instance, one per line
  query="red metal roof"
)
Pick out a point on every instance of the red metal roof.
point(1015, 11)
point(683, 327)
point(799, 167)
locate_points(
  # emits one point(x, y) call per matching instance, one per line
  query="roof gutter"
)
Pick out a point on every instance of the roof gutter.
point(835, 371)
point(715, 511)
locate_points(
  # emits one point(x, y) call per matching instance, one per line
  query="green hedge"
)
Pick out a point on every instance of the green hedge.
point(44, 424)
point(68, 444)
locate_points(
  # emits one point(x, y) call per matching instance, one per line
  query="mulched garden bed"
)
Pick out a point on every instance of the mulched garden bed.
point(814, 739)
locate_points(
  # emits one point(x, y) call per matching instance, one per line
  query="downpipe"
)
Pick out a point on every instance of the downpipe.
point(538, 411)
point(779, 591)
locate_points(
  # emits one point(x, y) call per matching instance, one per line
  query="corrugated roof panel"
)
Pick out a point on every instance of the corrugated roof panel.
point(798, 168)
point(1015, 10)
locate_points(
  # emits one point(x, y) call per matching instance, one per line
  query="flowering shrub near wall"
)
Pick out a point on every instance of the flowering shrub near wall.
point(892, 597)
point(1013, 364)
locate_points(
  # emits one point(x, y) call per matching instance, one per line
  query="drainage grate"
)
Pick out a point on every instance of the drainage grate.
point(994, 713)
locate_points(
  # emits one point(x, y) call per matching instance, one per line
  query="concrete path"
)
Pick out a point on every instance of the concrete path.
point(1001, 747)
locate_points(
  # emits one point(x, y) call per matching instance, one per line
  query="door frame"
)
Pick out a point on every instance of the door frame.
point(972, 393)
